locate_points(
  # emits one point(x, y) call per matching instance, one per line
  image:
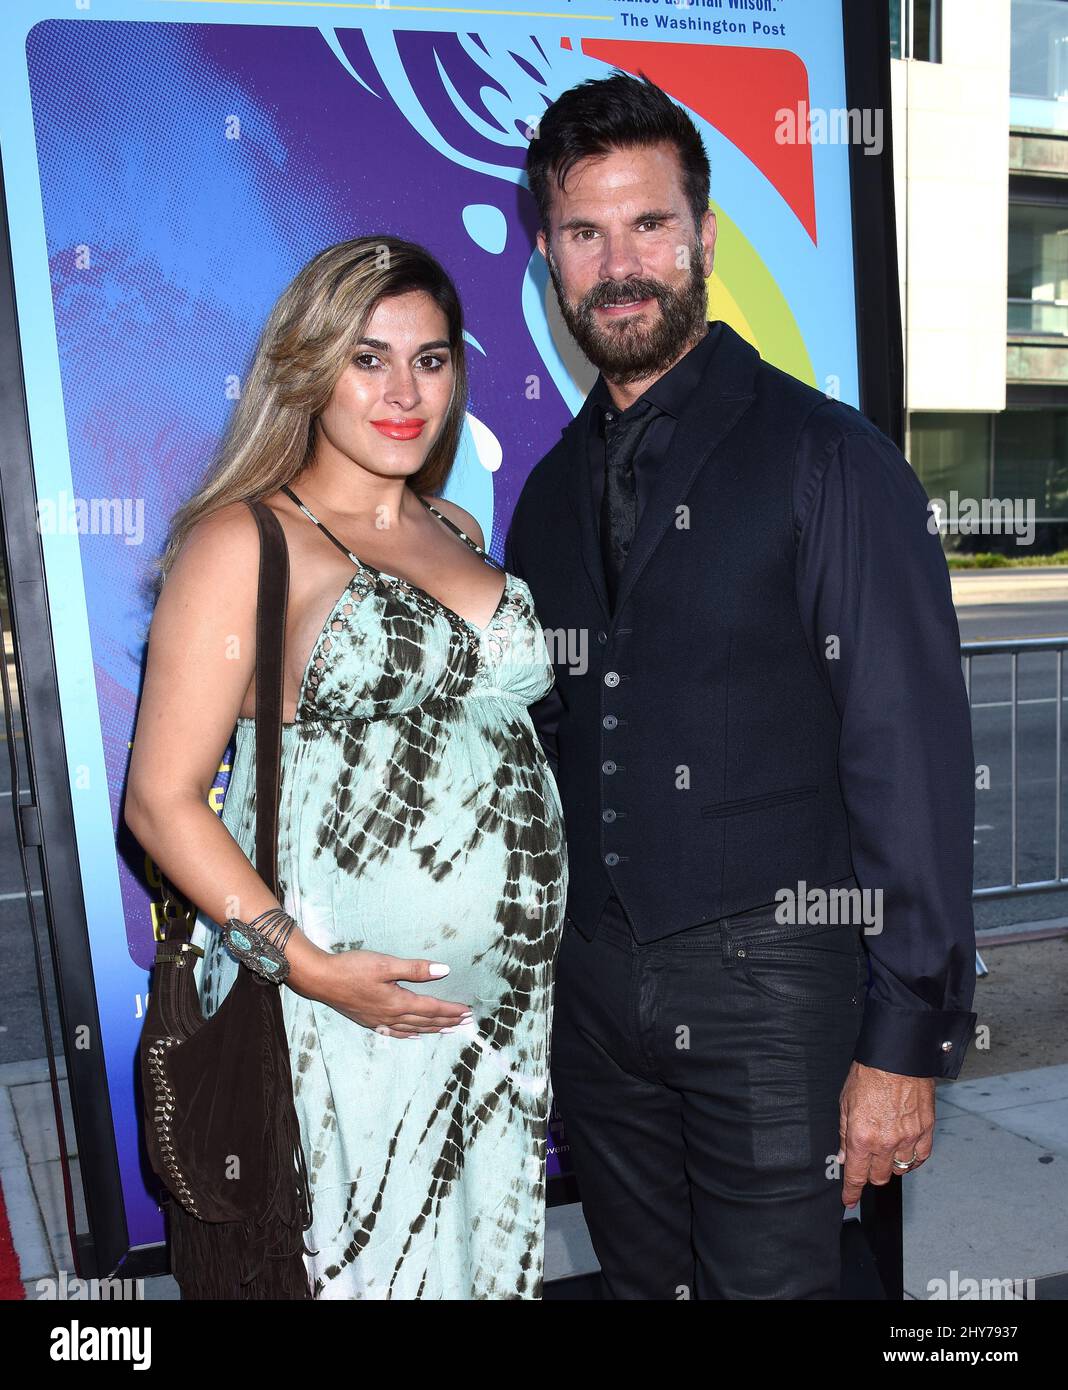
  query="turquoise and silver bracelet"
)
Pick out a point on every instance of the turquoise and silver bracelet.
point(260, 944)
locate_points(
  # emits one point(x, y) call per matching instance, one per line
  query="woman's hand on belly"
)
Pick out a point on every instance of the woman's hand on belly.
point(363, 986)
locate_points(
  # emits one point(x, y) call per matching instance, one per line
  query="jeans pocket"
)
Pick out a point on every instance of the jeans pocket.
point(802, 964)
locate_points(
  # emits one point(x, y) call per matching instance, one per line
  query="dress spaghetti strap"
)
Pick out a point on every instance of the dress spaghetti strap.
point(325, 529)
point(462, 534)
point(357, 561)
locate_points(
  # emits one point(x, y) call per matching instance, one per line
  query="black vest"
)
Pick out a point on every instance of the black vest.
point(697, 750)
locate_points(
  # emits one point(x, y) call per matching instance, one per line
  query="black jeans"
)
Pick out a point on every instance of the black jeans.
point(698, 1079)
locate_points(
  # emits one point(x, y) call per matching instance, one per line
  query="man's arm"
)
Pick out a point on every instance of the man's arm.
point(545, 713)
point(874, 593)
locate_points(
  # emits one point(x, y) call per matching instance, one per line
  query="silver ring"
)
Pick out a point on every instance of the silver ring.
point(904, 1167)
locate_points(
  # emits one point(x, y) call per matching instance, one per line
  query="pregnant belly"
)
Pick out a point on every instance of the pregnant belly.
point(478, 886)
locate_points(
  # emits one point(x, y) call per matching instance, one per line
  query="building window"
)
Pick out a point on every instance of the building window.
point(916, 30)
point(1019, 456)
point(950, 451)
point(1038, 269)
point(1031, 465)
point(1038, 75)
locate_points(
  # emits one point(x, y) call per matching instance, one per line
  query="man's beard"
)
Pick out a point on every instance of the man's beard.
point(627, 351)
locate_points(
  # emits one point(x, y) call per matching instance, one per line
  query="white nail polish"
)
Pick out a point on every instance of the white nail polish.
point(436, 971)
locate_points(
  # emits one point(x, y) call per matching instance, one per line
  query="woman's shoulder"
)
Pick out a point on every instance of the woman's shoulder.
point(456, 514)
point(231, 524)
point(220, 547)
point(208, 595)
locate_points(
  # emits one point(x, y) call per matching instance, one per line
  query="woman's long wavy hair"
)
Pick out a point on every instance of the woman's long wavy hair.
point(306, 344)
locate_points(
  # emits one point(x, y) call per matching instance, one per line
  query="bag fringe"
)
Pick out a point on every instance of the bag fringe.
point(261, 1257)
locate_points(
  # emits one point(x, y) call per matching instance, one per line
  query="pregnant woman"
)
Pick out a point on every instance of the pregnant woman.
point(421, 848)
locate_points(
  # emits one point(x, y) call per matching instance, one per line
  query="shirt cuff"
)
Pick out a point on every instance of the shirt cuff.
point(914, 1042)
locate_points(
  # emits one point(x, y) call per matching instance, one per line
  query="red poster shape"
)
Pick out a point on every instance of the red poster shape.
point(740, 91)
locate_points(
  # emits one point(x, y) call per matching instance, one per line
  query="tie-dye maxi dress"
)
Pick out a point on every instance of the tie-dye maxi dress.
point(418, 817)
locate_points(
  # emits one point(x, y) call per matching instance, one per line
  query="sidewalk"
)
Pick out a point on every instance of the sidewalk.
point(990, 1204)
point(1039, 584)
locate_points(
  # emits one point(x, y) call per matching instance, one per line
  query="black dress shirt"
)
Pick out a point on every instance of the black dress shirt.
point(668, 395)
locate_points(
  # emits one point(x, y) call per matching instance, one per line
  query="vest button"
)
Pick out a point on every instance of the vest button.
point(608, 766)
point(611, 678)
point(610, 721)
point(602, 637)
point(608, 815)
point(611, 858)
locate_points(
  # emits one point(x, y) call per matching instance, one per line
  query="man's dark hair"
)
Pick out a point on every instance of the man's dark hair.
point(616, 112)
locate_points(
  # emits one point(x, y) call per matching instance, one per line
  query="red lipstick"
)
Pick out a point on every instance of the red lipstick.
point(402, 427)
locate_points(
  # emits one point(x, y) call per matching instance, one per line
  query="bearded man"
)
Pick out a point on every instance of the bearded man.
point(765, 765)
